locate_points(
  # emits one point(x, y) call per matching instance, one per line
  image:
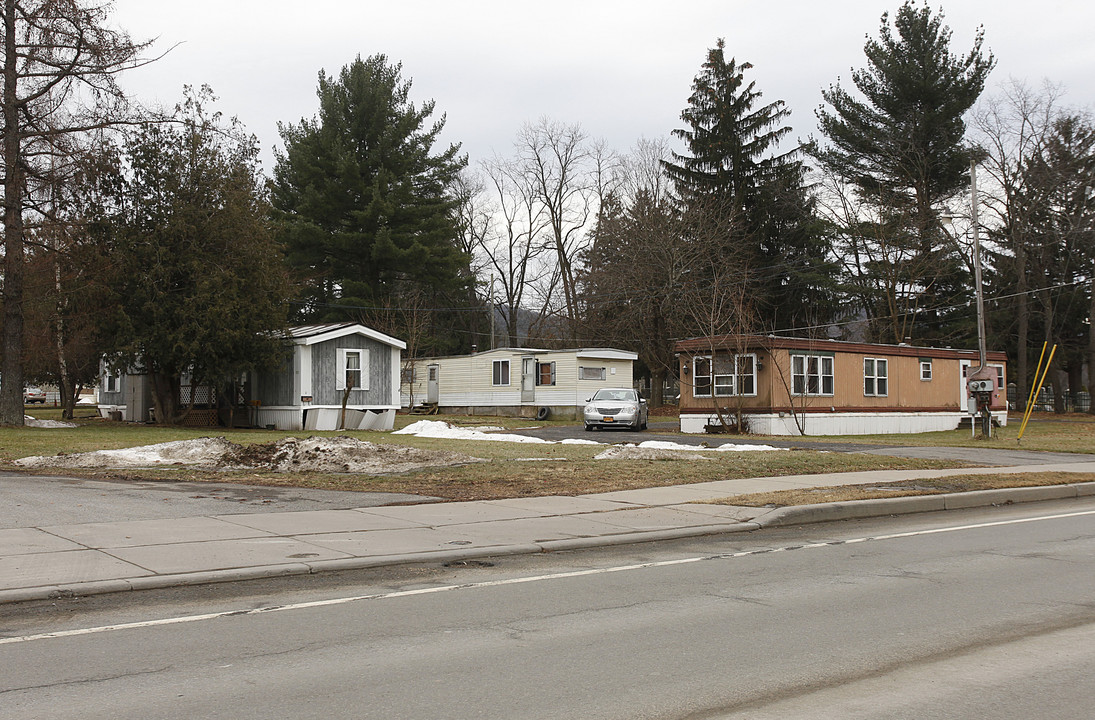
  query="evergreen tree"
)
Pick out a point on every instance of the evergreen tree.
point(1058, 245)
point(900, 148)
point(367, 209)
point(199, 287)
point(735, 172)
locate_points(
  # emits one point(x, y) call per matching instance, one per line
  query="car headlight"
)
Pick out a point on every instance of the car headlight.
point(631, 408)
point(590, 409)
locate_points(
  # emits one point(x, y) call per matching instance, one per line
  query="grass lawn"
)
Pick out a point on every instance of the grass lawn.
point(927, 486)
point(1073, 432)
point(513, 469)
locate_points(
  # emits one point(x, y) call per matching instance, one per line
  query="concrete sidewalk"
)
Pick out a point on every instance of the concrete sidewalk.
point(91, 558)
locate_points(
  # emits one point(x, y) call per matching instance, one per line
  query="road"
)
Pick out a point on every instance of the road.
point(987, 613)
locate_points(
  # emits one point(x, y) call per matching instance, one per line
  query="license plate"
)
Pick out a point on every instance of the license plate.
point(608, 419)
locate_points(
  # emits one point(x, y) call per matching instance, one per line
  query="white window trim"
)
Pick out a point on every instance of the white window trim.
point(926, 365)
point(733, 378)
point(363, 368)
point(696, 359)
point(875, 376)
point(821, 375)
point(495, 373)
point(112, 383)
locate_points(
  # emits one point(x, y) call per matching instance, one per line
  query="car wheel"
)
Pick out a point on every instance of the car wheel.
point(589, 428)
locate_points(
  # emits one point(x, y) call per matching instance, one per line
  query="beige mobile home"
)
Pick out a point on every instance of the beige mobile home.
point(797, 386)
point(517, 381)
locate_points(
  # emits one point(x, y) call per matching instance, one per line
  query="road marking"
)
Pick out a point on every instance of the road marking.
point(521, 580)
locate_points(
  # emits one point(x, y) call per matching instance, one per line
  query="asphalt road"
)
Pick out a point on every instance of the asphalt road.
point(971, 614)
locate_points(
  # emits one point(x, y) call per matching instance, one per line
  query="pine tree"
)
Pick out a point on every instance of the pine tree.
point(367, 208)
point(901, 149)
point(735, 173)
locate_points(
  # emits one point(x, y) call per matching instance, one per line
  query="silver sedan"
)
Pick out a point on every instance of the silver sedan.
point(616, 406)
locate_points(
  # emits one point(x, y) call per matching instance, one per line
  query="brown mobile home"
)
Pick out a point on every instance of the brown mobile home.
point(797, 386)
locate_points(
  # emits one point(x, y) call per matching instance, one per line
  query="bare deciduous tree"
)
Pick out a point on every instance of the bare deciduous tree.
point(507, 222)
point(61, 59)
point(556, 161)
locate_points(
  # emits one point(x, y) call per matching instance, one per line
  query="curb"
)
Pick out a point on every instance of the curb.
point(856, 509)
point(780, 517)
point(259, 572)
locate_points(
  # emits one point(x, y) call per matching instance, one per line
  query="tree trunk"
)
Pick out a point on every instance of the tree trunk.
point(1024, 383)
point(165, 397)
point(657, 387)
point(1091, 352)
point(11, 369)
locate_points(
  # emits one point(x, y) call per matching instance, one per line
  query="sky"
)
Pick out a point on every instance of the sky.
point(622, 70)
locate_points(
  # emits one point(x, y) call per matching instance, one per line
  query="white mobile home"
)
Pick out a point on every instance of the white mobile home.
point(517, 381)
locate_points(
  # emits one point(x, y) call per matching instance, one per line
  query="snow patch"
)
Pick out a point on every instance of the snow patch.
point(726, 447)
point(443, 430)
point(635, 452)
point(291, 454)
point(28, 421)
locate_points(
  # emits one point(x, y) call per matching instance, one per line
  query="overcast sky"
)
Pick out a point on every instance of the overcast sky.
point(622, 69)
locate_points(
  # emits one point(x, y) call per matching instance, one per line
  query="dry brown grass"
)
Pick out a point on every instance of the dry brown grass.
point(520, 470)
point(539, 470)
point(907, 488)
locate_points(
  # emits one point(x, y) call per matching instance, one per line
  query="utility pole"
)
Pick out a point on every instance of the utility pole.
point(982, 352)
point(984, 399)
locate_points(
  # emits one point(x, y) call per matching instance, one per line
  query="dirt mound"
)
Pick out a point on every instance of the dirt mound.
point(339, 455)
point(314, 454)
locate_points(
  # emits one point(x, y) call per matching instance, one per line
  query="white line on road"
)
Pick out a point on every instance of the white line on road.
point(518, 580)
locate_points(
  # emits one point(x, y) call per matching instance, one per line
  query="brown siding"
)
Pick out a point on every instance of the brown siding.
point(906, 391)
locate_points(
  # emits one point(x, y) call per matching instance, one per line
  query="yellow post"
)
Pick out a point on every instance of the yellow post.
point(1039, 389)
point(1026, 408)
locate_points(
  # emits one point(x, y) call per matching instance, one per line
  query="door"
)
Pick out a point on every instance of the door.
point(963, 391)
point(432, 392)
point(528, 379)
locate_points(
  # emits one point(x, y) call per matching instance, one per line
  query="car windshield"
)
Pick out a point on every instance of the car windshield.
point(618, 395)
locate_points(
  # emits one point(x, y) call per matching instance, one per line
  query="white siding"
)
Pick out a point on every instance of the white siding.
point(467, 381)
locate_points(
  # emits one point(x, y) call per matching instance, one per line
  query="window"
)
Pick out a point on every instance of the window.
point(745, 370)
point(409, 376)
point(701, 376)
point(591, 373)
point(875, 377)
point(735, 375)
point(545, 373)
point(926, 370)
point(811, 375)
point(501, 372)
point(112, 383)
point(352, 366)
